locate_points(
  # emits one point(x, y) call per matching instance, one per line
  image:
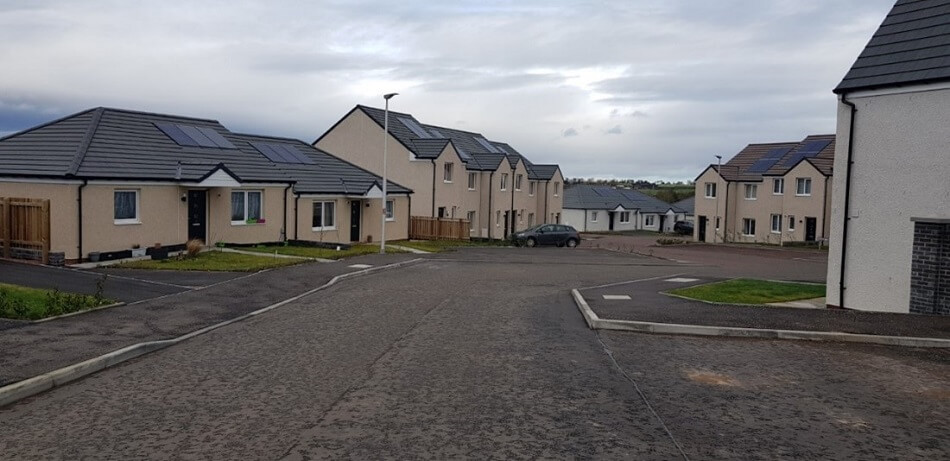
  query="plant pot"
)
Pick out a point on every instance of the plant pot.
point(159, 254)
point(138, 252)
point(94, 256)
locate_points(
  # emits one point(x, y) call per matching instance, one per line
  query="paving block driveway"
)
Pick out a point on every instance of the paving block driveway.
point(483, 354)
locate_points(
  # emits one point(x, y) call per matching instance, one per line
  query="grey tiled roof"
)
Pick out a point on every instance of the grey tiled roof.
point(118, 144)
point(485, 161)
point(911, 46)
point(543, 172)
point(590, 197)
point(687, 204)
point(740, 167)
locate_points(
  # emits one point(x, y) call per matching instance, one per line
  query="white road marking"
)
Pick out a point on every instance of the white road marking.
point(681, 280)
point(361, 266)
point(617, 297)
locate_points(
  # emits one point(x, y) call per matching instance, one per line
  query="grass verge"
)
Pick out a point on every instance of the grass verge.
point(24, 303)
point(749, 291)
point(440, 246)
point(317, 252)
point(212, 261)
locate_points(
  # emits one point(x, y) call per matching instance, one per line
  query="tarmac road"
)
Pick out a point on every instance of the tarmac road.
point(485, 359)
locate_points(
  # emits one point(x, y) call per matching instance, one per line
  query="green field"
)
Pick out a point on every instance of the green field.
point(24, 303)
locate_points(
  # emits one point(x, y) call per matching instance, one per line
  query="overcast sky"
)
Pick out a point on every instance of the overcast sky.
point(611, 89)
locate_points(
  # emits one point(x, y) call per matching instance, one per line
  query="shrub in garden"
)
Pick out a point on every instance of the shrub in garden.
point(193, 247)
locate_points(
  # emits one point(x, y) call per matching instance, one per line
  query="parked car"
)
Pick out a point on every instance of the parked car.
point(548, 234)
point(683, 227)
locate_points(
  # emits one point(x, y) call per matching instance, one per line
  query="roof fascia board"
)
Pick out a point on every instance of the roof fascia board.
point(39, 180)
point(904, 89)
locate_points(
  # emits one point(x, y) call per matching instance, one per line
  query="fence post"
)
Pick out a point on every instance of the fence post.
point(44, 219)
point(6, 224)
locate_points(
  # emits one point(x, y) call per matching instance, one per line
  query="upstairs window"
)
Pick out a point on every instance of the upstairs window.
point(504, 181)
point(472, 180)
point(447, 175)
point(778, 186)
point(710, 190)
point(557, 189)
point(751, 191)
point(531, 187)
point(518, 181)
point(803, 186)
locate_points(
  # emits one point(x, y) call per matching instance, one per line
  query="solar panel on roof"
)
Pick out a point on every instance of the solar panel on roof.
point(503, 150)
point(292, 151)
point(808, 150)
point(415, 128)
point(176, 134)
point(436, 133)
point(282, 153)
point(216, 137)
point(196, 134)
point(768, 160)
point(487, 145)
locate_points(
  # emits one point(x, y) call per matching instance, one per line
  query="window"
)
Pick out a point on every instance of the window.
point(710, 190)
point(520, 216)
point(453, 212)
point(126, 207)
point(751, 190)
point(530, 219)
point(390, 210)
point(557, 189)
point(246, 206)
point(791, 222)
point(748, 227)
point(717, 222)
point(441, 211)
point(649, 220)
point(324, 215)
point(472, 179)
point(778, 186)
point(504, 181)
point(624, 217)
point(776, 224)
point(518, 181)
point(497, 218)
point(593, 216)
point(531, 186)
point(471, 221)
point(447, 175)
point(803, 186)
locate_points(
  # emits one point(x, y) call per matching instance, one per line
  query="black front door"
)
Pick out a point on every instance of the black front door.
point(355, 213)
point(197, 215)
point(506, 224)
point(702, 228)
point(612, 214)
point(662, 223)
point(811, 226)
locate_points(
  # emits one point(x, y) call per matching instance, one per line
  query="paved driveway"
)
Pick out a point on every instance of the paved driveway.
point(482, 355)
point(120, 285)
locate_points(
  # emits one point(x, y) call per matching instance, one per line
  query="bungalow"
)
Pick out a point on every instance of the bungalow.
point(890, 220)
point(454, 173)
point(599, 208)
point(118, 179)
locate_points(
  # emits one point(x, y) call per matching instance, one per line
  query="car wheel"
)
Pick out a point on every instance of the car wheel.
point(571, 243)
point(531, 242)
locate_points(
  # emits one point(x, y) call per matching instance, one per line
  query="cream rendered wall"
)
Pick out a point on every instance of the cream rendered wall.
point(899, 172)
point(620, 226)
point(358, 139)
point(602, 224)
point(455, 194)
point(396, 229)
point(745, 208)
point(555, 202)
point(523, 203)
point(220, 228)
point(812, 206)
point(64, 231)
point(707, 206)
point(340, 233)
point(575, 218)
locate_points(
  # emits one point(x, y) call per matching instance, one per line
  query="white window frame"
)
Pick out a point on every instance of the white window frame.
point(791, 222)
point(748, 224)
point(711, 189)
point(127, 221)
point(717, 222)
point(518, 180)
point(323, 215)
point(649, 220)
point(593, 216)
point(447, 172)
point(504, 181)
point(471, 221)
point(247, 213)
point(754, 189)
point(800, 185)
point(497, 218)
point(557, 189)
point(624, 217)
point(390, 210)
point(530, 219)
point(532, 185)
point(776, 219)
point(778, 186)
point(472, 180)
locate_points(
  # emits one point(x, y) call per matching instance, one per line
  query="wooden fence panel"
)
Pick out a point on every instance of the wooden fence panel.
point(25, 228)
point(425, 228)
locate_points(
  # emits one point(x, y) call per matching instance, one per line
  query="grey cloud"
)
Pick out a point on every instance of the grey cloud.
point(569, 132)
point(615, 130)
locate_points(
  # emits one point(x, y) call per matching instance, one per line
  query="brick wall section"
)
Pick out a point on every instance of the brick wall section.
point(930, 269)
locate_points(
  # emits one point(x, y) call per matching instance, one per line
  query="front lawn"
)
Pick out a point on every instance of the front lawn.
point(24, 303)
point(748, 291)
point(317, 252)
point(212, 261)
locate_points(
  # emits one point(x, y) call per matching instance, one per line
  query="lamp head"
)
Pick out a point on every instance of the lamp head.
point(389, 96)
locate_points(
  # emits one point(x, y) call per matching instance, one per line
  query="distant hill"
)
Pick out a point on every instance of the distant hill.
point(669, 192)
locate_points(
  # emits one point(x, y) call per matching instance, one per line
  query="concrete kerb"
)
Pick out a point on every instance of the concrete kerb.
point(594, 322)
point(32, 386)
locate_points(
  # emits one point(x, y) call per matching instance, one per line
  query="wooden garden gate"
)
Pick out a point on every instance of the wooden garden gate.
point(24, 229)
point(425, 228)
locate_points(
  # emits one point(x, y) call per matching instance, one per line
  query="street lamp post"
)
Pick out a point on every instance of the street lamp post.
point(719, 172)
point(382, 239)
